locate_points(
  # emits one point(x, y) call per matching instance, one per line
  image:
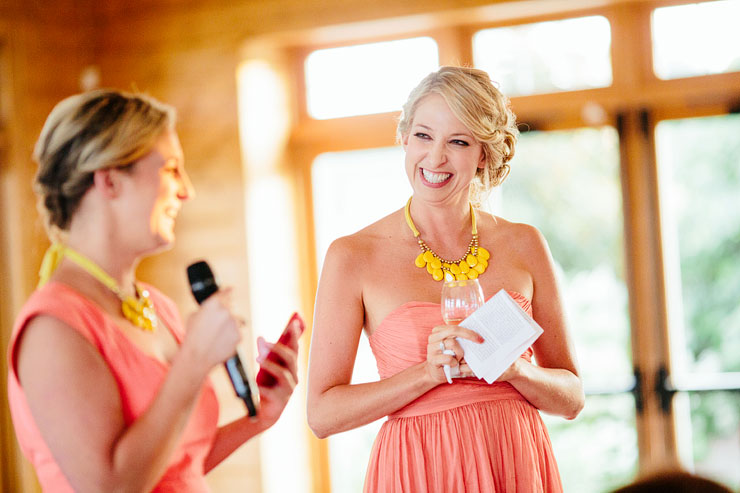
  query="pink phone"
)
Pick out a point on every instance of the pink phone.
point(265, 379)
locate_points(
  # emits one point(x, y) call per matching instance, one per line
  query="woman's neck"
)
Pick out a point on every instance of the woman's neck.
point(448, 219)
point(445, 227)
point(108, 255)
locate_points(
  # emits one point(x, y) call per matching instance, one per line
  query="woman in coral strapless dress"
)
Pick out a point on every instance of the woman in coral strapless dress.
point(459, 135)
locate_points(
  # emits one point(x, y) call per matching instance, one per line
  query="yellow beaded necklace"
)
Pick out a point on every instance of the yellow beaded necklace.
point(139, 311)
point(469, 266)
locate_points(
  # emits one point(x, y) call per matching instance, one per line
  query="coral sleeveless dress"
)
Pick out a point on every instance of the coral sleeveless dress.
point(465, 437)
point(137, 374)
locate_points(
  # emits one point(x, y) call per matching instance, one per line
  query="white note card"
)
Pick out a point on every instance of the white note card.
point(508, 331)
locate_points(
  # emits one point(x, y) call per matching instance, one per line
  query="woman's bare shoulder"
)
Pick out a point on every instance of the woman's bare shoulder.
point(522, 233)
point(520, 241)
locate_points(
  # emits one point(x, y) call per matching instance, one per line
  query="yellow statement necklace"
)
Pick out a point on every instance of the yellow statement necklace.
point(469, 266)
point(139, 311)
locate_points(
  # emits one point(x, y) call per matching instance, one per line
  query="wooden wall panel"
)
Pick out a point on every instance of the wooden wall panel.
point(44, 48)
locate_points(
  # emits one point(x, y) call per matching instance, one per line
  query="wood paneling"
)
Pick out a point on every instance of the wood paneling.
point(44, 48)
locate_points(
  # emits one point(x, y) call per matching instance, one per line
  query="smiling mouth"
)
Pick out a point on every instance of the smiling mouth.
point(171, 213)
point(435, 178)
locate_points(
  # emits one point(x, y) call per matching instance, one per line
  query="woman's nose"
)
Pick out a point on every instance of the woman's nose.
point(186, 191)
point(437, 154)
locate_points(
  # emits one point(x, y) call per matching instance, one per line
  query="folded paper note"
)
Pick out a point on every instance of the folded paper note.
point(508, 331)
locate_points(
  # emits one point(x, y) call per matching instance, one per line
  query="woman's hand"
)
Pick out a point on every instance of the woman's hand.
point(513, 371)
point(213, 332)
point(273, 399)
point(445, 336)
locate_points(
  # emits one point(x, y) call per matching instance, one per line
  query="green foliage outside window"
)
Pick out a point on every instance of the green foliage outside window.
point(567, 185)
point(700, 163)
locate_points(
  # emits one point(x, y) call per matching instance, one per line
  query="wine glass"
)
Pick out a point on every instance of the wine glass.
point(459, 299)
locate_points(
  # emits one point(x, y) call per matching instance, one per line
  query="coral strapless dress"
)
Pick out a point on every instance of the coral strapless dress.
point(466, 437)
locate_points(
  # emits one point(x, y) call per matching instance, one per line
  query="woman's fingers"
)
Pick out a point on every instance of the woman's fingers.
point(443, 338)
point(440, 359)
point(442, 332)
point(273, 399)
point(436, 360)
point(213, 331)
point(222, 298)
point(453, 345)
point(263, 349)
point(286, 377)
point(465, 370)
point(287, 357)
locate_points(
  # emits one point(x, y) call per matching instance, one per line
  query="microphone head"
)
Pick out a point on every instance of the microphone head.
point(202, 282)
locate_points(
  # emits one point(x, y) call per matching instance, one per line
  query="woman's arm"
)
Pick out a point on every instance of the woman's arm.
point(333, 404)
point(272, 403)
point(553, 384)
point(75, 402)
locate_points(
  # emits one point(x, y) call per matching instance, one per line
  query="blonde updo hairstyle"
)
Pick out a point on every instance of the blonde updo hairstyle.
point(89, 132)
point(484, 111)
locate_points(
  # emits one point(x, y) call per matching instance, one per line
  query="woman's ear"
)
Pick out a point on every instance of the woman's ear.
point(405, 141)
point(482, 163)
point(107, 182)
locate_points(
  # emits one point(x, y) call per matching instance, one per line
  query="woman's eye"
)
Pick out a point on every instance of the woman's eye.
point(421, 135)
point(172, 166)
point(460, 142)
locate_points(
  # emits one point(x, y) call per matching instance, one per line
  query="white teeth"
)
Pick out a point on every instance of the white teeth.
point(432, 177)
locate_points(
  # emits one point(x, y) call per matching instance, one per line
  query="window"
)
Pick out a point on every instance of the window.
point(566, 183)
point(347, 197)
point(698, 159)
point(696, 39)
point(365, 79)
point(546, 56)
point(345, 191)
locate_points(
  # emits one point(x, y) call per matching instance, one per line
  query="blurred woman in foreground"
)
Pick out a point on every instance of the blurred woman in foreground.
point(108, 390)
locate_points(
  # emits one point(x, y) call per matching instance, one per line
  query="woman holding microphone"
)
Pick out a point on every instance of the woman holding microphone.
point(108, 389)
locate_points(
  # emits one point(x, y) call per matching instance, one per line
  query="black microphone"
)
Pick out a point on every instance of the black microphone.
point(203, 285)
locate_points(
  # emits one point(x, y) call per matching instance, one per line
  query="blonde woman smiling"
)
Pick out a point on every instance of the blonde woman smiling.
point(459, 136)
